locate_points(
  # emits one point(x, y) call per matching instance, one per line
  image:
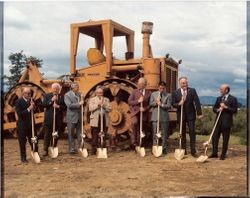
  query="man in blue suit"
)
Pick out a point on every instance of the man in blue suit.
point(187, 97)
point(228, 105)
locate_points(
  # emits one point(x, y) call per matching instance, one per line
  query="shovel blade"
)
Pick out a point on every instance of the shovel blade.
point(102, 153)
point(202, 158)
point(142, 151)
point(84, 152)
point(179, 154)
point(35, 157)
point(157, 151)
point(53, 152)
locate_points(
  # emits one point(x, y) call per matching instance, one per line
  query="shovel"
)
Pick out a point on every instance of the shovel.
point(157, 150)
point(139, 149)
point(82, 149)
point(179, 153)
point(34, 154)
point(204, 157)
point(52, 150)
point(101, 152)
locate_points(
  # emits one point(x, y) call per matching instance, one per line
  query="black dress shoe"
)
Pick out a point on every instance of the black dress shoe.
point(164, 151)
point(194, 154)
point(213, 156)
point(222, 157)
point(24, 161)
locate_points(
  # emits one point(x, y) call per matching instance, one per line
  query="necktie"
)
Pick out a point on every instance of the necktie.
point(184, 94)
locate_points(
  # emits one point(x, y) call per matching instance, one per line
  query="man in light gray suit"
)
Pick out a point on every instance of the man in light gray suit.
point(73, 99)
point(163, 99)
point(97, 105)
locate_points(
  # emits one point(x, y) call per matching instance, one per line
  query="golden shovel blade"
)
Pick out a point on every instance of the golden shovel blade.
point(202, 158)
point(142, 151)
point(35, 157)
point(101, 153)
point(179, 154)
point(84, 152)
point(53, 152)
point(157, 151)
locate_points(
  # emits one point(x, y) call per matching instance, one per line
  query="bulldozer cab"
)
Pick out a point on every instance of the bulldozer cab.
point(103, 33)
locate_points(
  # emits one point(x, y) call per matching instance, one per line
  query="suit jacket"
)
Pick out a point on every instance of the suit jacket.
point(96, 110)
point(191, 106)
point(165, 106)
point(24, 116)
point(49, 110)
point(72, 100)
point(226, 118)
point(135, 106)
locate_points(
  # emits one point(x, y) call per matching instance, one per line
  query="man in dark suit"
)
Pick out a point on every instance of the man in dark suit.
point(138, 96)
point(53, 100)
point(23, 108)
point(228, 105)
point(187, 97)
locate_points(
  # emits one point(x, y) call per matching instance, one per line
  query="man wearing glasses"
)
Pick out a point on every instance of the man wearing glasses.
point(23, 108)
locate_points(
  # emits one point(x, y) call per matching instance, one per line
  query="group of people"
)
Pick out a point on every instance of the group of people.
point(142, 103)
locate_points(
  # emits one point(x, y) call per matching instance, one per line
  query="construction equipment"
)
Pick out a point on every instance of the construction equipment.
point(53, 150)
point(101, 152)
point(157, 150)
point(34, 153)
point(179, 153)
point(204, 157)
point(106, 68)
point(82, 149)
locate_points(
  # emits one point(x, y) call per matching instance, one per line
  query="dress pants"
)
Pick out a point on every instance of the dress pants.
point(48, 137)
point(164, 133)
point(191, 127)
point(215, 140)
point(23, 134)
point(74, 128)
point(96, 140)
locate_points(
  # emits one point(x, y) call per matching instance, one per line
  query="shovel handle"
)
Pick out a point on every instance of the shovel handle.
point(181, 126)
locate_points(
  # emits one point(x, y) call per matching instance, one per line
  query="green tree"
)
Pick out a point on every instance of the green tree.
point(19, 61)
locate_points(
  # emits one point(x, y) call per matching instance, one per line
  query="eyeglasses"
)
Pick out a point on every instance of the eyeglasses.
point(28, 93)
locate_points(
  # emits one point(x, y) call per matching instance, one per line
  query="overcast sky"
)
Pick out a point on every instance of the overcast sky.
point(210, 37)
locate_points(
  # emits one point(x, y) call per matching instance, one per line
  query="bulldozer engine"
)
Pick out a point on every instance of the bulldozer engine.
point(117, 76)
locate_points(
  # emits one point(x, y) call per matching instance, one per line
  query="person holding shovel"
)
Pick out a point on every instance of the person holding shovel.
point(227, 105)
point(97, 105)
point(51, 101)
point(23, 108)
point(73, 100)
point(162, 99)
point(187, 97)
point(138, 96)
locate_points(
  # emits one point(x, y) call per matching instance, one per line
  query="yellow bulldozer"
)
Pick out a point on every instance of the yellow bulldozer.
point(117, 76)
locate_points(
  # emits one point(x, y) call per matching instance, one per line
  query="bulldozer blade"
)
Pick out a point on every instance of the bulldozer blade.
point(35, 157)
point(102, 153)
point(53, 152)
point(84, 152)
point(179, 154)
point(157, 151)
point(142, 151)
point(202, 158)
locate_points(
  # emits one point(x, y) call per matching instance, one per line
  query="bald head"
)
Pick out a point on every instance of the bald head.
point(26, 92)
point(183, 82)
point(224, 89)
point(142, 83)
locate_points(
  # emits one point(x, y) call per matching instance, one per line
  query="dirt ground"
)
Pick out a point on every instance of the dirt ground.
point(123, 174)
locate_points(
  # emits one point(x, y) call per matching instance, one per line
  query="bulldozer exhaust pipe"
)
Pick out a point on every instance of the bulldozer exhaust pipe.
point(147, 29)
